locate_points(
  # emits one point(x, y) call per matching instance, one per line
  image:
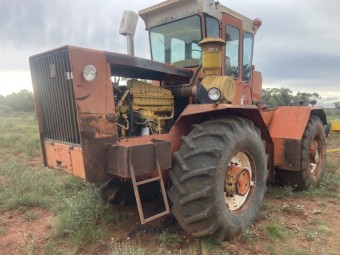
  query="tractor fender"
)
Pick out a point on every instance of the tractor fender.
point(197, 113)
point(286, 125)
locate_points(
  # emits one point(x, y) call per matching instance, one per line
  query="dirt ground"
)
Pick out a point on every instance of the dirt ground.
point(313, 226)
point(25, 233)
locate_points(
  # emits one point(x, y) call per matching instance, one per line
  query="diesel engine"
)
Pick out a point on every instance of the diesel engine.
point(142, 109)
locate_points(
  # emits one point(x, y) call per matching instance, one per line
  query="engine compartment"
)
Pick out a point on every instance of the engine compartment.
point(142, 109)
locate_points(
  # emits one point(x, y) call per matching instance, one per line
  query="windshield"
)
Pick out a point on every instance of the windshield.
point(177, 42)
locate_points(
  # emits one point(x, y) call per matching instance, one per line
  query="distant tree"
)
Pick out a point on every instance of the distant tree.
point(283, 96)
point(277, 97)
point(305, 98)
point(2, 100)
point(337, 105)
point(22, 101)
point(271, 102)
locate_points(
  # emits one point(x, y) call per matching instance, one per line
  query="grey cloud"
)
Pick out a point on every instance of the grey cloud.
point(22, 24)
point(32, 26)
point(298, 39)
point(310, 66)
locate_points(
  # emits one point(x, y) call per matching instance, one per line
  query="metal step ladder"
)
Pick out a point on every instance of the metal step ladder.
point(136, 184)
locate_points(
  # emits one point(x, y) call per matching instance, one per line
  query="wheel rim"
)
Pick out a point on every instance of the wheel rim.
point(314, 155)
point(239, 181)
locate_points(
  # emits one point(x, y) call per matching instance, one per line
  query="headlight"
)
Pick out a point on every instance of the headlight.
point(214, 94)
point(89, 72)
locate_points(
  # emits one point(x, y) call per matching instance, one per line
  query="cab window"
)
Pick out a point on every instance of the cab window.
point(248, 41)
point(212, 26)
point(232, 51)
point(176, 42)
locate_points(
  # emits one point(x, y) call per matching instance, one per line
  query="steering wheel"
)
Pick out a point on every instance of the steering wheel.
point(246, 72)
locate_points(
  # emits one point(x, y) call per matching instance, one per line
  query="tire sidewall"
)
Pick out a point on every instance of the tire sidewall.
point(246, 215)
point(316, 129)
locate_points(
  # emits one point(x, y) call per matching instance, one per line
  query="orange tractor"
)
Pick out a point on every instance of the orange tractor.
point(188, 124)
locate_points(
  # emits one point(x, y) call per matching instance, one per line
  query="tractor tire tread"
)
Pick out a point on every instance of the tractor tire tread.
point(197, 211)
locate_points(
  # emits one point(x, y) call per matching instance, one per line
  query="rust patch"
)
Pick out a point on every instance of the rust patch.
point(65, 157)
point(143, 158)
point(83, 97)
point(94, 125)
point(291, 154)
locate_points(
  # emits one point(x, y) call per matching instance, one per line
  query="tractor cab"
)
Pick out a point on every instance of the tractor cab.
point(176, 28)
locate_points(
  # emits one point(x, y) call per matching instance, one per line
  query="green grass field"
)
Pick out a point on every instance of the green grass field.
point(333, 114)
point(289, 223)
point(81, 217)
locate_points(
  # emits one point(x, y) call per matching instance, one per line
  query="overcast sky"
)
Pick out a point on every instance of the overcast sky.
point(297, 47)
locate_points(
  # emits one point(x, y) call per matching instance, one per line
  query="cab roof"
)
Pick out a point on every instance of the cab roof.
point(171, 10)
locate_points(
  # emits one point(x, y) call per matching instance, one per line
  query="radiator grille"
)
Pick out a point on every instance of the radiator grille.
point(53, 84)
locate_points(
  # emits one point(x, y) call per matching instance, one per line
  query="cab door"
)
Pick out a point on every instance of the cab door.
point(234, 57)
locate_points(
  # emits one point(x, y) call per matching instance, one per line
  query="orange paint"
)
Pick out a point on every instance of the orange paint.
point(289, 122)
point(286, 125)
point(65, 157)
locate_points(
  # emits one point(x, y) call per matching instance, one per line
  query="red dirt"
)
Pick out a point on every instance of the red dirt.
point(22, 235)
point(313, 226)
point(323, 239)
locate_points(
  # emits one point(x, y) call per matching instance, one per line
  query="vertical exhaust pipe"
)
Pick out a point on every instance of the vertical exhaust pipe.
point(127, 28)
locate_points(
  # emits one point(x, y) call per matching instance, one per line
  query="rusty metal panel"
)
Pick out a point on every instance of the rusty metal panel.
point(95, 106)
point(66, 157)
point(287, 153)
point(257, 85)
point(278, 151)
point(77, 162)
point(286, 126)
point(289, 121)
point(55, 100)
point(198, 113)
point(95, 96)
point(143, 158)
point(291, 159)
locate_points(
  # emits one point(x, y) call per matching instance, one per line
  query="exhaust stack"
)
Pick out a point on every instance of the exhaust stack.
point(127, 28)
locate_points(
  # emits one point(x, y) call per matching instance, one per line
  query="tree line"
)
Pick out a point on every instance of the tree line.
point(274, 97)
point(22, 101)
point(337, 105)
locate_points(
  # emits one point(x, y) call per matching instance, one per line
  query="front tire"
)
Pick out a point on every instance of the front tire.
point(219, 178)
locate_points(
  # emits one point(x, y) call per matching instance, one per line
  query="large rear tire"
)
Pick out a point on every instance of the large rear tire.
point(313, 158)
point(219, 178)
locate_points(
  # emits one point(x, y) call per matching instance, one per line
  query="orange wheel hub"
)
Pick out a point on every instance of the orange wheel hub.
point(237, 181)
